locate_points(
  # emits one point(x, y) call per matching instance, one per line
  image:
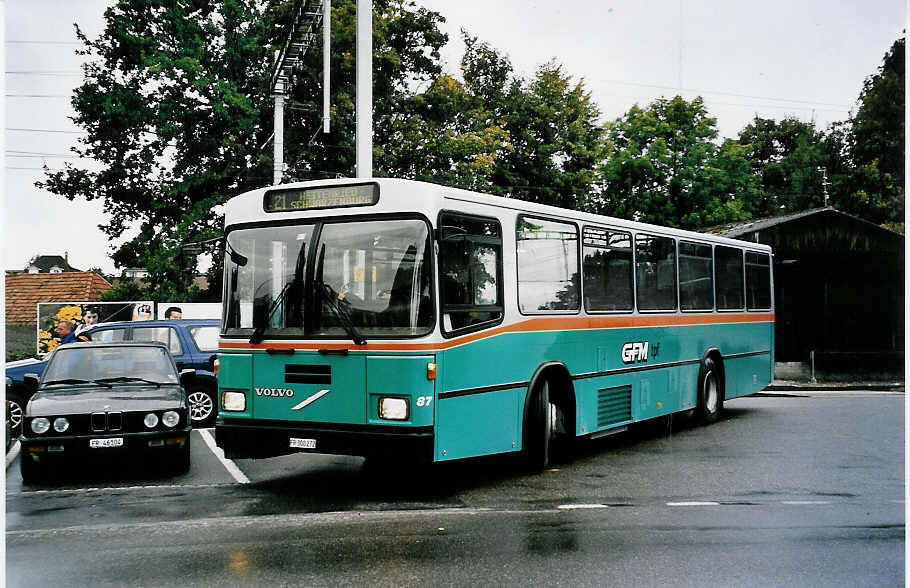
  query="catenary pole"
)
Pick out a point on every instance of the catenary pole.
point(364, 80)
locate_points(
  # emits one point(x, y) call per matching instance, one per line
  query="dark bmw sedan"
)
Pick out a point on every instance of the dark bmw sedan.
point(103, 400)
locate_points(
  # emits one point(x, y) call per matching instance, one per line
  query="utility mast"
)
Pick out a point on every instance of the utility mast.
point(306, 16)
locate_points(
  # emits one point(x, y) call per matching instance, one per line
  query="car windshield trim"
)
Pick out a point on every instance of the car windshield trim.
point(130, 379)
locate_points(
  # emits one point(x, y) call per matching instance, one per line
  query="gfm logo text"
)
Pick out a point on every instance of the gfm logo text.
point(635, 352)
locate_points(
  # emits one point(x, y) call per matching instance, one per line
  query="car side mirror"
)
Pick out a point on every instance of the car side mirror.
point(31, 382)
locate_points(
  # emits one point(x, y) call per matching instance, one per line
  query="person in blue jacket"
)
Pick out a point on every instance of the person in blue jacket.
point(67, 334)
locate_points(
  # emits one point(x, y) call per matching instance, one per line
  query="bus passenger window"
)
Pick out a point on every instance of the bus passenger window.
point(470, 270)
point(655, 271)
point(696, 277)
point(758, 281)
point(547, 265)
point(728, 263)
point(607, 270)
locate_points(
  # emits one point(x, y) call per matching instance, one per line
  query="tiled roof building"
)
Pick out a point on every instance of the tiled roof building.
point(25, 291)
point(53, 264)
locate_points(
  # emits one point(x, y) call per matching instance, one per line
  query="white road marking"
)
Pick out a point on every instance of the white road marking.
point(805, 502)
point(229, 465)
point(693, 503)
point(12, 453)
point(580, 506)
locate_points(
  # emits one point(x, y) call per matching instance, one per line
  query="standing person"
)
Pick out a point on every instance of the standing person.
point(90, 319)
point(66, 333)
point(173, 312)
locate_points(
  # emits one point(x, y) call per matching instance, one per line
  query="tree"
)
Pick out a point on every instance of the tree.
point(788, 157)
point(664, 167)
point(874, 145)
point(176, 108)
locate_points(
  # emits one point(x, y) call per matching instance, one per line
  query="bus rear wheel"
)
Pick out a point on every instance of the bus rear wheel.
point(538, 428)
point(710, 392)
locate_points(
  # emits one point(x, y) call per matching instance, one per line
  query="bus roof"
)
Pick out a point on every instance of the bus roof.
point(397, 195)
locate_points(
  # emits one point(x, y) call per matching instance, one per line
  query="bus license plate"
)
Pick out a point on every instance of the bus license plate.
point(112, 442)
point(303, 443)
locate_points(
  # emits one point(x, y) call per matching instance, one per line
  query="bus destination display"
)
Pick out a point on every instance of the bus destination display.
point(327, 197)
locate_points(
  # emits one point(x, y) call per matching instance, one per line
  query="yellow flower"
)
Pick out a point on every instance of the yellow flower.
point(70, 313)
point(44, 334)
point(52, 344)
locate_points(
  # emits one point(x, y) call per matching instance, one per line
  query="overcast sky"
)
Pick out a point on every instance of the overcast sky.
point(802, 58)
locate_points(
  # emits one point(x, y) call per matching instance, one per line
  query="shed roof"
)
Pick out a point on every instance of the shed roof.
point(738, 230)
point(25, 291)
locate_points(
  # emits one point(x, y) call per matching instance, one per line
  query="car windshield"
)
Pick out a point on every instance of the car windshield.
point(89, 363)
point(345, 280)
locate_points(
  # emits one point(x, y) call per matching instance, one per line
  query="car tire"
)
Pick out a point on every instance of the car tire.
point(32, 473)
point(183, 459)
point(203, 407)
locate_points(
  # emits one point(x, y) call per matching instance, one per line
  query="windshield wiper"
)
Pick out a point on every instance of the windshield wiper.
point(129, 379)
point(75, 381)
point(256, 337)
point(341, 312)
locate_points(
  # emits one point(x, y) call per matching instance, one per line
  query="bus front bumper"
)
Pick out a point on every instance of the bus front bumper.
point(251, 439)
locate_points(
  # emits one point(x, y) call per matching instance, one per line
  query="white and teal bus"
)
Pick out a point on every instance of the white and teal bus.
point(403, 319)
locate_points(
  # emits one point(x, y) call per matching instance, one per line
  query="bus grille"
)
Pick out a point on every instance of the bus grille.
point(614, 405)
point(308, 374)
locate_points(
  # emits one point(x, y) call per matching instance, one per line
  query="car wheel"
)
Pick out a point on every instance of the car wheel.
point(202, 407)
point(16, 406)
point(32, 472)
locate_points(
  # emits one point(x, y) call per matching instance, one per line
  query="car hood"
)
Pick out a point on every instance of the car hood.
point(87, 399)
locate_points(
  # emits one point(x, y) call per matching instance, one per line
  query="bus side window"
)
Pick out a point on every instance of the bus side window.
point(470, 270)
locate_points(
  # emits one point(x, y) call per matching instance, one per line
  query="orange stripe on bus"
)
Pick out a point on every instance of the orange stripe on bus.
point(529, 326)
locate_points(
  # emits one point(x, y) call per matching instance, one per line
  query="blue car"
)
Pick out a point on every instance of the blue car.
point(192, 342)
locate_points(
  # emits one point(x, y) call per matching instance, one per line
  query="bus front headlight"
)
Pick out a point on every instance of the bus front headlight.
point(233, 401)
point(393, 409)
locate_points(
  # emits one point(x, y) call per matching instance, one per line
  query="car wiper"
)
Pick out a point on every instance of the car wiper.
point(341, 312)
point(129, 379)
point(74, 381)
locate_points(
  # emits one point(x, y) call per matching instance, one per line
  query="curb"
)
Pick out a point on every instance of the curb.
point(807, 387)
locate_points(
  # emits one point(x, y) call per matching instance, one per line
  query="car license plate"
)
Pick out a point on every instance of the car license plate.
point(303, 443)
point(99, 443)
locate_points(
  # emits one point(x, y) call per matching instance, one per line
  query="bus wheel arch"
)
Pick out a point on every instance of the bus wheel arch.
point(548, 422)
point(711, 386)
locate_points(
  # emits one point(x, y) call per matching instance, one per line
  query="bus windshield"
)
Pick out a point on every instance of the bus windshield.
point(341, 280)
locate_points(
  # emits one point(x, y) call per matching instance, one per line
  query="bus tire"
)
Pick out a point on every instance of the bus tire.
point(710, 392)
point(538, 429)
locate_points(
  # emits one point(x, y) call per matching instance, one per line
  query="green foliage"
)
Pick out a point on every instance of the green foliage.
point(874, 145)
point(174, 103)
point(664, 167)
point(788, 156)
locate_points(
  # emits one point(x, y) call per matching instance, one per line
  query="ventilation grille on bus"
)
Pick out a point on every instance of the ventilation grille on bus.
point(308, 374)
point(614, 405)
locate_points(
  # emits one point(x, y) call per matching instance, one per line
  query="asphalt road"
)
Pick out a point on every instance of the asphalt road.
point(782, 491)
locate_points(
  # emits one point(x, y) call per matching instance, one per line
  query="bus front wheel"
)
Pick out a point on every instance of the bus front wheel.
point(538, 428)
point(710, 392)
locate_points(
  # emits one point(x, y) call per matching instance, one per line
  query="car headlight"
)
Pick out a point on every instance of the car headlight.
point(233, 401)
point(61, 424)
point(170, 419)
point(393, 409)
point(151, 420)
point(40, 425)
